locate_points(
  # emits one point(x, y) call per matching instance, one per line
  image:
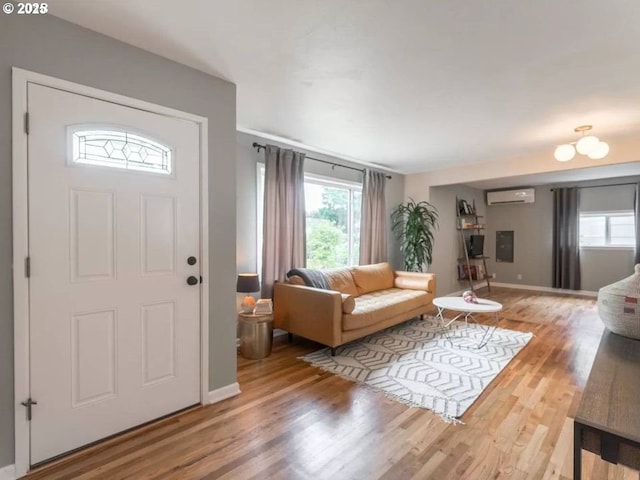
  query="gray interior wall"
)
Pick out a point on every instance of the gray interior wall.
point(602, 267)
point(448, 244)
point(532, 240)
point(51, 46)
point(247, 157)
point(533, 226)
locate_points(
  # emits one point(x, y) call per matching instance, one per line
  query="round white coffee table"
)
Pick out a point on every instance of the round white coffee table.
point(467, 310)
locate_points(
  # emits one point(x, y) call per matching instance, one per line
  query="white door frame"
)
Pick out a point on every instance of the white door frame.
point(21, 78)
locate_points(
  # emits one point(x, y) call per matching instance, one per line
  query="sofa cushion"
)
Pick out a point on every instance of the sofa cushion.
point(296, 280)
point(378, 306)
point(348, 303)
point(340, 280)
point(415, 281)
point(371, 278)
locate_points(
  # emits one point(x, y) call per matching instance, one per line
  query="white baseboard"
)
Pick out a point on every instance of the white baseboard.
point(517, 286)
point(476, 286)
point(8, 472)
point(223, 393)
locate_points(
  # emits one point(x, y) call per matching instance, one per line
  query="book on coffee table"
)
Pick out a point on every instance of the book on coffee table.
point(264, 306)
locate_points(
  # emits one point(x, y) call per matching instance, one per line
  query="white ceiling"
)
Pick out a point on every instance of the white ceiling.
point(565, 176)
point(414, 85)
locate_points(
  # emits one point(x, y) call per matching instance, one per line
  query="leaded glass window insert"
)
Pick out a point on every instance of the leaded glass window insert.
point(121, 149)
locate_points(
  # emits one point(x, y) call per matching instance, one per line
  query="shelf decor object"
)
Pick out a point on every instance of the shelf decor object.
point(619, 305)
point(588, 145)
point(248, 283)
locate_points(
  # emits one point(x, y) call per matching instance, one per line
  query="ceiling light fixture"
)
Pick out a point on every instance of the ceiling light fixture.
point(588, 145)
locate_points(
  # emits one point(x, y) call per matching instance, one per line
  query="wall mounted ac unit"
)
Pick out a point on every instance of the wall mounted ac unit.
point(503, 197)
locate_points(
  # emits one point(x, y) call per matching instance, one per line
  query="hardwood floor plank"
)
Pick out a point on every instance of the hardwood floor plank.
point(293, 421)
point(430, 466)
point(560, 452)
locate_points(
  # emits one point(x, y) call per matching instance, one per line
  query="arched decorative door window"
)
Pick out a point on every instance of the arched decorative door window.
point(118, 148)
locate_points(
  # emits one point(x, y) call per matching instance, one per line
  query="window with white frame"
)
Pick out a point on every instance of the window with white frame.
point(607, 229)
point(332, 220)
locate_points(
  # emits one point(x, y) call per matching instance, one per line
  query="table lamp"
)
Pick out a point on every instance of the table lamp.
point(248, 283)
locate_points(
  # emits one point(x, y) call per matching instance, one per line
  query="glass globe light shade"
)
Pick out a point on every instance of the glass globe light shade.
point(601, 151)
point(586, 144)
point(565, 152)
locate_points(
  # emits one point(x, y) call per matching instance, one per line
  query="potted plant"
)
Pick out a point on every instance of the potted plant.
point(414, 224)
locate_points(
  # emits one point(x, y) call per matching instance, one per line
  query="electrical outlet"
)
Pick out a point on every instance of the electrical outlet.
point(493, 275)
point(519, 276)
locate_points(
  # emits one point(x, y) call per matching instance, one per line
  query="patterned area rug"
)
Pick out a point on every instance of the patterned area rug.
point(414, 363)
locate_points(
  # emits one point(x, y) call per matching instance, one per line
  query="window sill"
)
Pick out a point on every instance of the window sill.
point(609, 248)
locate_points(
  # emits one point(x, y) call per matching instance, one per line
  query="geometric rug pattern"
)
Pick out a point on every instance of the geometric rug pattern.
point(414, 363)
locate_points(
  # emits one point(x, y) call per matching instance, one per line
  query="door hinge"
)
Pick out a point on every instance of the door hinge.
point(29, 403)
point(26, 123)
point(27, 267)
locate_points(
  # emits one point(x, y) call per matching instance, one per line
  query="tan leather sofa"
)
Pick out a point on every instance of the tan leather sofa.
point(362, 300)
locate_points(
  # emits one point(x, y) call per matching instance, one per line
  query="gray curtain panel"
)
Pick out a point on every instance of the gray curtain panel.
point(373, 221)
point(566, 248)
point(636, 209)
point(283, 244)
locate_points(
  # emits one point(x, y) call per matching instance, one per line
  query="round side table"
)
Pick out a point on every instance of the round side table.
point(458, 304)
point(256, 335)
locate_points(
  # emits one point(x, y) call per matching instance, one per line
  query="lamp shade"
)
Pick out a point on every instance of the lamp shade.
point(565, 152)
point(247, 283)
point(586, 144)
point(601, 151)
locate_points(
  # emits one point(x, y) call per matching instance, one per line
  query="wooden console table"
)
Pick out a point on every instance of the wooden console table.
point(608, 419)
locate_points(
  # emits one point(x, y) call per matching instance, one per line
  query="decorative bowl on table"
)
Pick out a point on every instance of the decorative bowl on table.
point(469, 297)
point(619, 305)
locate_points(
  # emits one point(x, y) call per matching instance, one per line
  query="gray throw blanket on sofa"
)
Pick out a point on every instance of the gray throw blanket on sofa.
point(312, 278)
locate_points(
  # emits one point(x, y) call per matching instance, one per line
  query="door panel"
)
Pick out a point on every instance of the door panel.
point(114, 327)
point(93, 357)
point(158, 235)
point(159, 342)
point(92, 235)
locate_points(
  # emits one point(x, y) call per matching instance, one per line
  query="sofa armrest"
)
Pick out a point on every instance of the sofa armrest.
point(415, 281)
point(312, 313)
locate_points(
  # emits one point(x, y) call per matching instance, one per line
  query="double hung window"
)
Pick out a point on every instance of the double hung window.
point(607, 229)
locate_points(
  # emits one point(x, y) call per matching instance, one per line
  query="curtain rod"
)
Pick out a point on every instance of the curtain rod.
point(598, 186)
point(258, 146)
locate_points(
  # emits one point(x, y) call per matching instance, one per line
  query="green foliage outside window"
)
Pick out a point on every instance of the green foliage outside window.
point(328, 229)
point(326, 246)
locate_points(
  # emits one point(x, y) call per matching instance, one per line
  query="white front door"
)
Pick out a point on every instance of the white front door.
point(113, 221)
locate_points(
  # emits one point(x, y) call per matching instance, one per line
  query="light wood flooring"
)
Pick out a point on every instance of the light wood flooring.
point(293, 421)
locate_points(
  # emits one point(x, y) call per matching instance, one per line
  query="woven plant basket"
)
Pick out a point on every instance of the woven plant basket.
point(619, 305)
